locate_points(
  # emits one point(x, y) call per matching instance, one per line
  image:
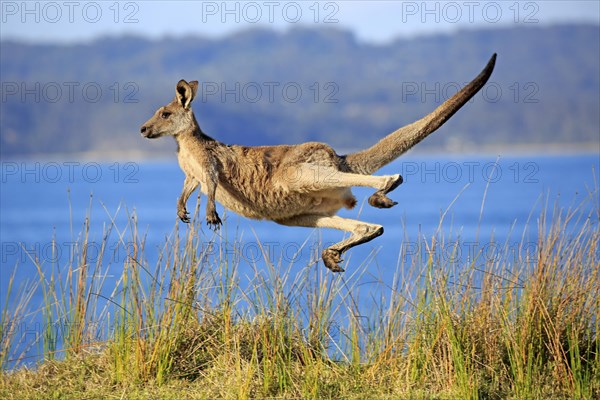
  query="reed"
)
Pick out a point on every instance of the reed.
point(521, 324)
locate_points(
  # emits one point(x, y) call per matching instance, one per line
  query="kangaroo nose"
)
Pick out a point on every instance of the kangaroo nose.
point(145, 131)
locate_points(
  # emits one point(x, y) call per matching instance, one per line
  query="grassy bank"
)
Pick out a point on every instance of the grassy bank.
point(522, 324)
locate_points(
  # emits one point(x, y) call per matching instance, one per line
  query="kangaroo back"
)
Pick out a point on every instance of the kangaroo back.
point(392, 146)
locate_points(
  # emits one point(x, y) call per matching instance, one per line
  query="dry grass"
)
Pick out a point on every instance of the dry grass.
point(520, 325)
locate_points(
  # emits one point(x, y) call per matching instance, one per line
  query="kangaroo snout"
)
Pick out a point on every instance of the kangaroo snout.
point(146, 132)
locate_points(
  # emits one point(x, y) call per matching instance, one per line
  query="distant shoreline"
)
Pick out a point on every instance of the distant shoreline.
point(549, 149)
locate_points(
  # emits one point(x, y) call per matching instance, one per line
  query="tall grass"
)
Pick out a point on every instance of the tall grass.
point(521, 324)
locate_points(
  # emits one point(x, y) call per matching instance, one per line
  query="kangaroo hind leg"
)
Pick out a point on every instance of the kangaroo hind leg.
point(314, 178)
point(362, 232)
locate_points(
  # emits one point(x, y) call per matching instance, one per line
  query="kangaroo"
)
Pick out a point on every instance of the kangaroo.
point(293, 185)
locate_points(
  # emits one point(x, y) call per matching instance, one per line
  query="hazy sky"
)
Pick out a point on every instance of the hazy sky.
point(373, 21)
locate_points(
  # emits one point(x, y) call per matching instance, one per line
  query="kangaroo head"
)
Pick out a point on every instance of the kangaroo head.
point(175, 117)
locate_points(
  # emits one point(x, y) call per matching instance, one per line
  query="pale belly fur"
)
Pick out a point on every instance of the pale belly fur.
point(280, 205)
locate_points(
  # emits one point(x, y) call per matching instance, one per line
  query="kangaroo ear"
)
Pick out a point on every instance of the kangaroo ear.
point(186, 92)
point(194, 86)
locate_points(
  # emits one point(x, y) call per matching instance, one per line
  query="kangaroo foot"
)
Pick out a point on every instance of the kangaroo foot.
point(379, 198)
point(393, 184)
point(331, 258)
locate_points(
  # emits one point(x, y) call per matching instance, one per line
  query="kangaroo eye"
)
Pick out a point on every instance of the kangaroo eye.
point(165, 115)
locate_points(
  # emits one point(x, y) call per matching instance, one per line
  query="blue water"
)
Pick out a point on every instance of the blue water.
point(483, 200)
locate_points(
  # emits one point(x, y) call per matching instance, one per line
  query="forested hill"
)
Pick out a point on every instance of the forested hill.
point(267, 87)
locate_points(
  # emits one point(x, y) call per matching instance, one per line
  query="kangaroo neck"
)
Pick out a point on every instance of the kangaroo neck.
point(194, 133)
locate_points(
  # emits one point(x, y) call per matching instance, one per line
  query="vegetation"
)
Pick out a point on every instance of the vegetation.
point(263, 87)
point(521, 325)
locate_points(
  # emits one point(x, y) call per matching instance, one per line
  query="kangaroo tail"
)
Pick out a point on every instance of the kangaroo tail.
point(392, 146)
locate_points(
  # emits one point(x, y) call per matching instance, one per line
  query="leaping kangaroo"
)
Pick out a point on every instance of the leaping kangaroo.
point(294, 185)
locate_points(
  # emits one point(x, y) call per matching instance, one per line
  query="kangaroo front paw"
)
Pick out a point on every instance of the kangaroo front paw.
point(213, 221)
point(183, 215)
point(331, 258)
